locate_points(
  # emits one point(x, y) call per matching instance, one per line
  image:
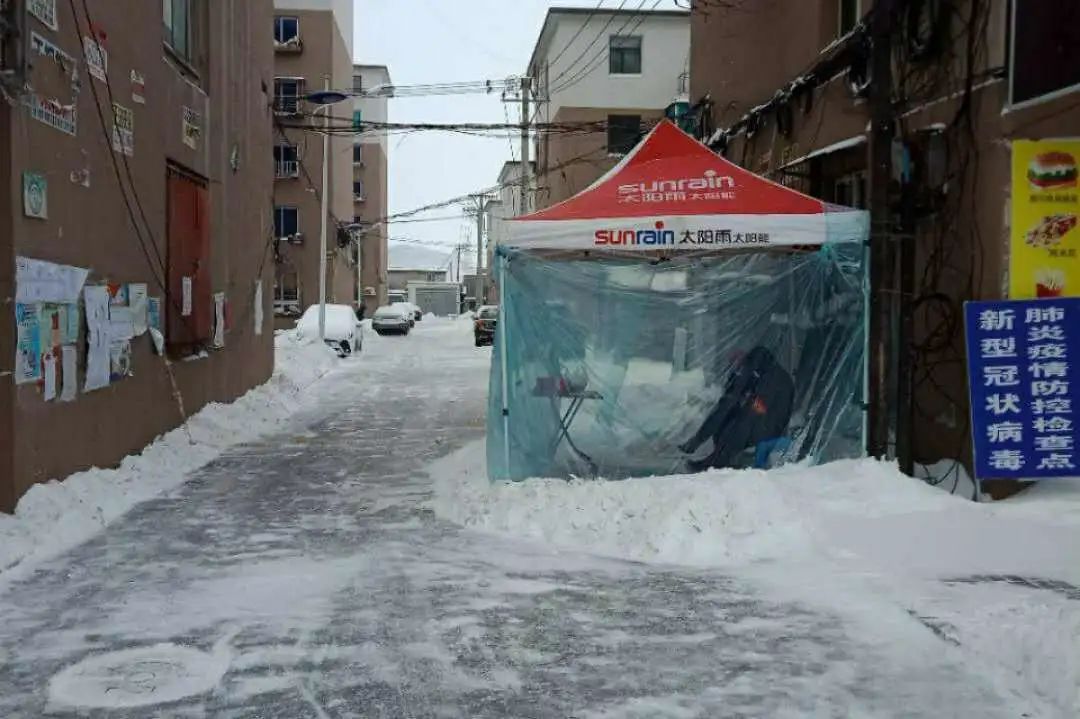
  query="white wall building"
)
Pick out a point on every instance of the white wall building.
point(621, 68)
point(371, 183)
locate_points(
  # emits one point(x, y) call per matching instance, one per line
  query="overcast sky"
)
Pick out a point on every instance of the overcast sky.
point(428, 41)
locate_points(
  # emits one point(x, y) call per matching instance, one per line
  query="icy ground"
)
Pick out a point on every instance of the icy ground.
point(306, 575)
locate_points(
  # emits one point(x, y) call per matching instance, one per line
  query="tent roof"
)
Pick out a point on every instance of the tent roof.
point(670, 173)
point(672, 193)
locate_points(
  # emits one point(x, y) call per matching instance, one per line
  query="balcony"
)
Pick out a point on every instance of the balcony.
point(286, 168)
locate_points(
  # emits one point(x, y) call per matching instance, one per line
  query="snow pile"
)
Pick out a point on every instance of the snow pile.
point(999, 580)
point(56, 515)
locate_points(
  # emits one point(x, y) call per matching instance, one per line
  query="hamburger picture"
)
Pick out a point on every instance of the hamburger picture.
point(1052, 171)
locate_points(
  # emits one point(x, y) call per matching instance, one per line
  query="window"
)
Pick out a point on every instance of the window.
point(357, 119)
point(176, 16)
point(286, 291)
point(358, 189)
point(358, 83)
point(286, 221)
point(624, 56)
point(287, 94)
point(286, 30)
point(850, 190)
point(848, 14)
point(1045, 55)
point(286, 161)
point(623, 132)
point(358, 154)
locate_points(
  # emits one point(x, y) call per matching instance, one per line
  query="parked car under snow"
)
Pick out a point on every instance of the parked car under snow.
point(343, 331)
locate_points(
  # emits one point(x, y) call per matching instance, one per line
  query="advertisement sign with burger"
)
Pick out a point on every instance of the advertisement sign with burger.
point(1045, 242)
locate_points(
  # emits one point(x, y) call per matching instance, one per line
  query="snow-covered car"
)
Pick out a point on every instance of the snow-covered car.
point(411, 311)
point(343, 331)
point(392, 319)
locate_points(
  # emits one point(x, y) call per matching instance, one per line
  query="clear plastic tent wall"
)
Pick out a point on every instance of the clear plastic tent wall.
point(612, 361)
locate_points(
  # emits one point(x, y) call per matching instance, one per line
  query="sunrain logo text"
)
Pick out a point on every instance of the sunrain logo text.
point(658, 236)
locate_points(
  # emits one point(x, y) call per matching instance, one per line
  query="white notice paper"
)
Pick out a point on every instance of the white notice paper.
point(96, 299)
point(185, 304)
point(219, 319)
point(138, 302)
point(68, 369)
point(49, 360)
point(258, 308)
point(121, 323)
point(41, 281)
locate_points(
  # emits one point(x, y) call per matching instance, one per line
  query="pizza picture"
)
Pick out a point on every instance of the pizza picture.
point(1050, 231)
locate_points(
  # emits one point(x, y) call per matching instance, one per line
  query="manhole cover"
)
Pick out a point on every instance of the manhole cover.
point(138, 677)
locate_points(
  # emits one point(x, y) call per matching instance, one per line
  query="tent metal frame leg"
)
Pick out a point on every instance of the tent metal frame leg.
point(502, 364)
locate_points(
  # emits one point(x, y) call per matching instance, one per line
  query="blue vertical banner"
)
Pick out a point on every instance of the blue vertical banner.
point(1023, 387)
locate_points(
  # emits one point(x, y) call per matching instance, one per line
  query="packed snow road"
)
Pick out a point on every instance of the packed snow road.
point(306, 576)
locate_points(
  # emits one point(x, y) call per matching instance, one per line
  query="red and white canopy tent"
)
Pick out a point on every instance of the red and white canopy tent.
point(673, 193)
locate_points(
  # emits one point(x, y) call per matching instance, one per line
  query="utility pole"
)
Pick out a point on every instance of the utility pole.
point(324, 191)
point(524, 189)
point(882, 256)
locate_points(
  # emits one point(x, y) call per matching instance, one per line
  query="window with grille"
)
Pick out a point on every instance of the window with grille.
point(623, 132)
point(358, 154)
point(358, 189)
point(624, 55)
point(288, 92)
point(286, 161)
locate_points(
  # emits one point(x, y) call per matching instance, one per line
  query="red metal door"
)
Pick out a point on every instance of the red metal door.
point(188, 310)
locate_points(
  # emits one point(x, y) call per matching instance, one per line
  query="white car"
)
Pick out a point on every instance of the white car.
point(343, 331)
point(392, 319)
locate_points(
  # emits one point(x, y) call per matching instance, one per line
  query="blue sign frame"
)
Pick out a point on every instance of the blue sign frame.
point(1024, 388)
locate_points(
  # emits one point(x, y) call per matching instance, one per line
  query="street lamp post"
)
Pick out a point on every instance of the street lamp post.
point(325, 99)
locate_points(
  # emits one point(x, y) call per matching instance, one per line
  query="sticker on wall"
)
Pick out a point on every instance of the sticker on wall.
point(153, 313)
point(123, 129)
point(97, 58)
point(73, 322)
point(138, 301)
point(27, 344)
point(138, 88)
point(185, 299)
point(52, 113)
point(119, 360)
point(48, 364)
point(258, 308)
point(192, 128)
point(46, 48)
point(35, 195)
point(45, 11)
point(219, 319)
point(68, 369)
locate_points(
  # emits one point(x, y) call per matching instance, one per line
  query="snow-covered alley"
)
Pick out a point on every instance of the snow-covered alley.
point(307, 575)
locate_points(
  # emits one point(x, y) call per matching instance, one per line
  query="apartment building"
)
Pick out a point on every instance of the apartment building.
point(312, 42)
point(620, 68)
point(135, 222)
point(505, 205)
point(371, 184)
point(970, 79)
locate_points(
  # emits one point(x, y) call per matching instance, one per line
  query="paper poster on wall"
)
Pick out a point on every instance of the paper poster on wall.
point(48, 363)
point(35, 195)
point(96, 305)
point(45, 11)
point(138, 88)
point(258, 308)
point(27, 345)
point(73, 322)
point(121, 324)
point(185, 300)
point(41, 281)
point(192, 128)
point(153, 313)
point(1044, 252)
point(52, 324)
point(119, 360)
point(219, 319)
point(68, 372)
point(97, 58)
point(137, 300)
point(123, 135)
